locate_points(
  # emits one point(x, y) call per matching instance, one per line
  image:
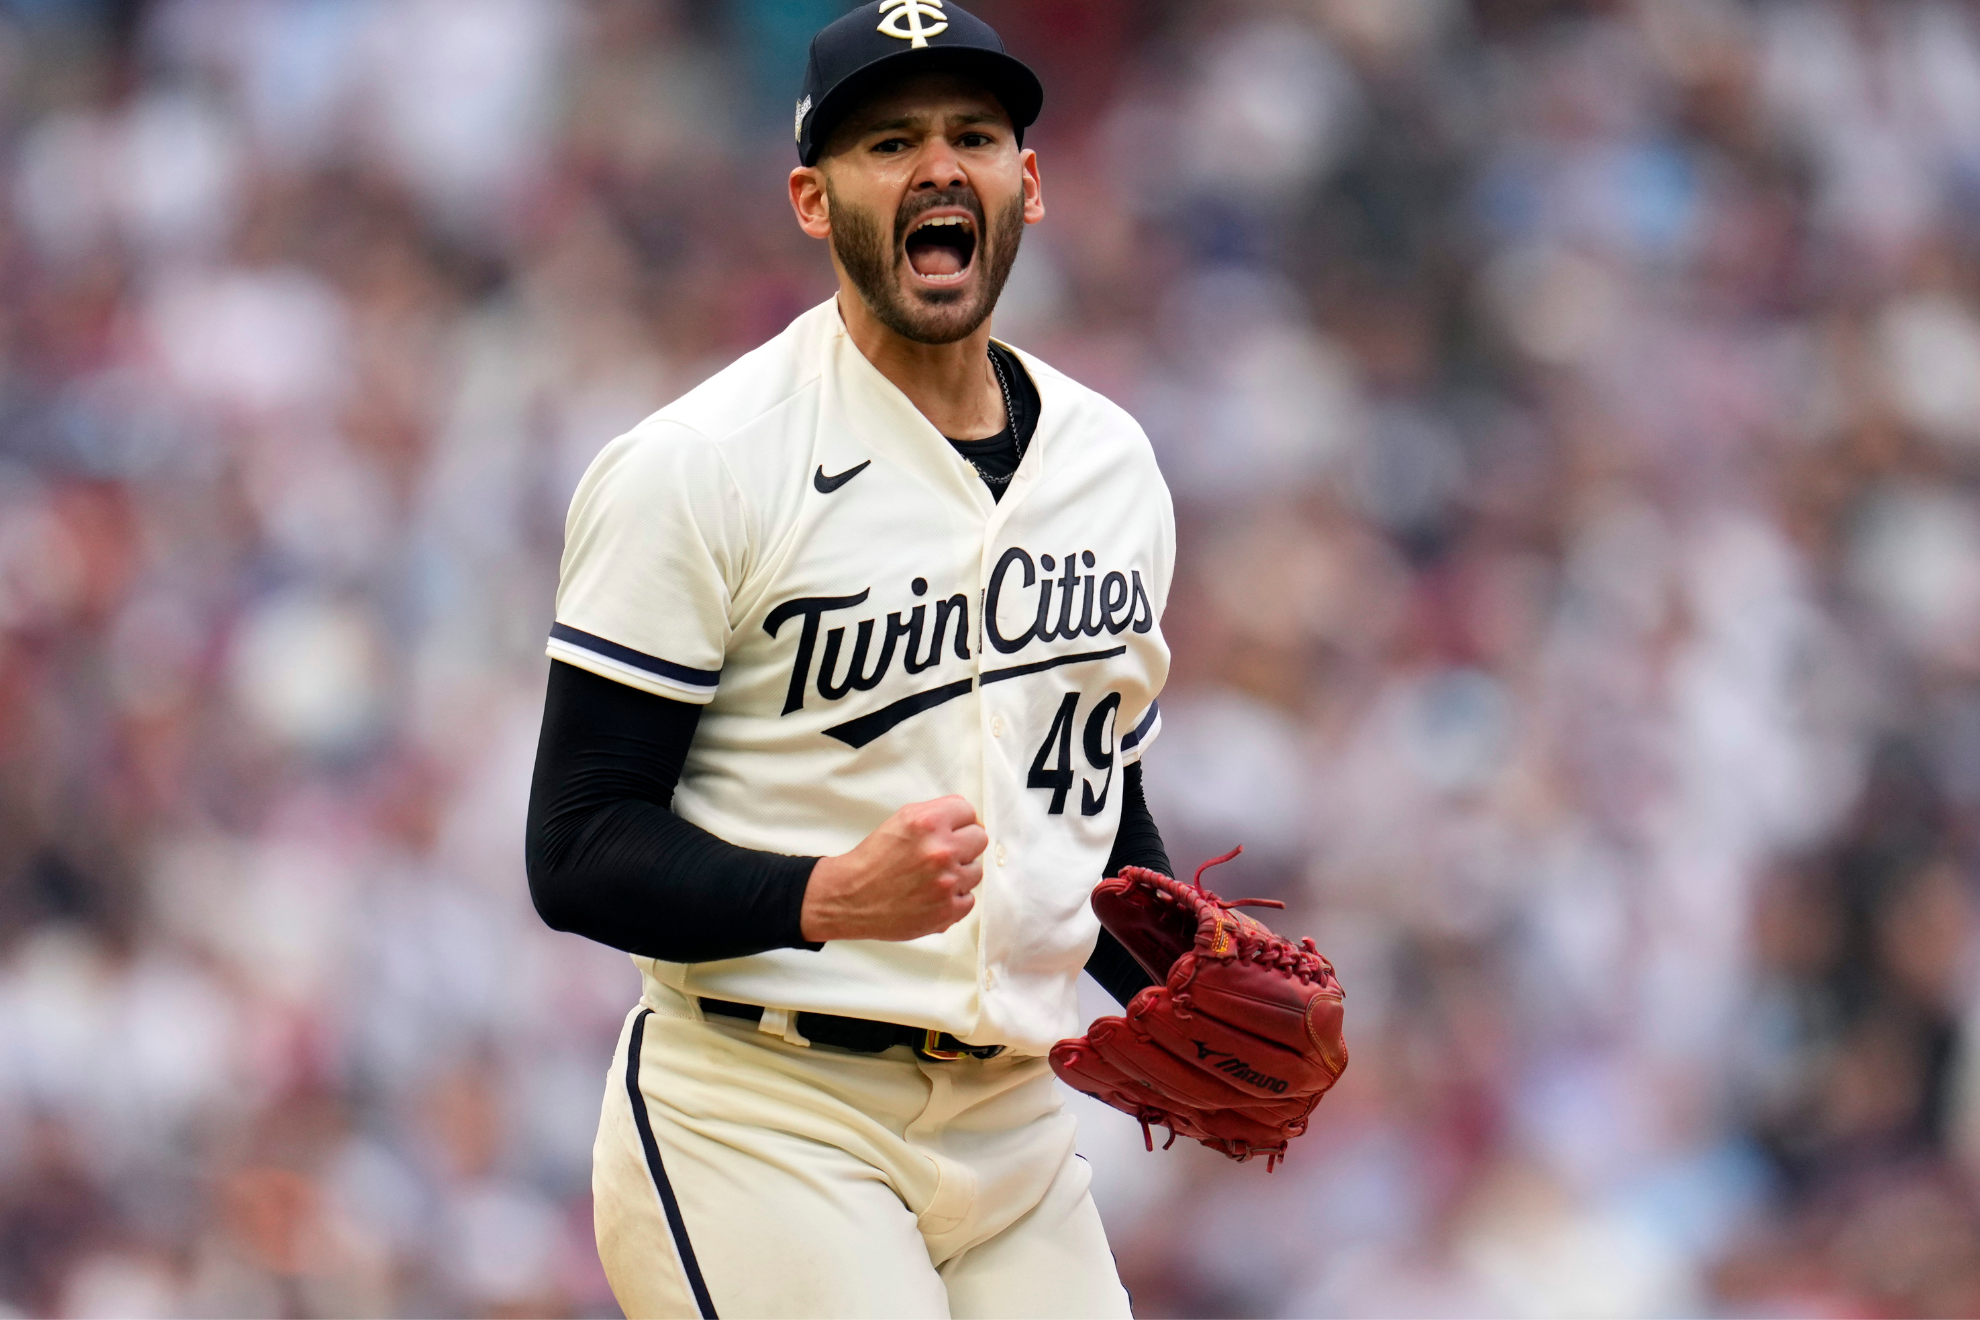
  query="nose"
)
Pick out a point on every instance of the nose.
point(939, 168)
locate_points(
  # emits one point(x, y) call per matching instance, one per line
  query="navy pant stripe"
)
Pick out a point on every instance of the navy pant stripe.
point(668, 1201)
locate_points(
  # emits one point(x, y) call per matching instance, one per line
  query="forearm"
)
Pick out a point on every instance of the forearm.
point(642, 879)
point(607, 857)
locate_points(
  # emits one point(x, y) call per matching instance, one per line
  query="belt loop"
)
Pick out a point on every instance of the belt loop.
point(782, 1022)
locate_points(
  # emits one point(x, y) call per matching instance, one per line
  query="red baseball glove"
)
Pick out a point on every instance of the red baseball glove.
point(1238, 1038)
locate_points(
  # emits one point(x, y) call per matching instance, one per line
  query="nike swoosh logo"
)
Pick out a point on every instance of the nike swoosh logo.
point(826, 485)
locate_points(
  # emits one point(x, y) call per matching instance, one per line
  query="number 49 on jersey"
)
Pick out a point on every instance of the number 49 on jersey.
point(1052, 769)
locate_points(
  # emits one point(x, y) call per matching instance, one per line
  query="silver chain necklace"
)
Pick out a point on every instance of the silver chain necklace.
point(1010, 424)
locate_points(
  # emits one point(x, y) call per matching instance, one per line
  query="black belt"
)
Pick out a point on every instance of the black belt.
point(862, 1036)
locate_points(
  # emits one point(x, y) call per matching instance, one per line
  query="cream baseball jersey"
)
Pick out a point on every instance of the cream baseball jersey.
point(793, 544)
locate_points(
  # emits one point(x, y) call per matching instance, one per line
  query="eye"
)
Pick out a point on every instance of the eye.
point(976, 140)
point(891, 146)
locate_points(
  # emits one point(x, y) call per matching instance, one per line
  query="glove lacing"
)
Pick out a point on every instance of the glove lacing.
point(1303, 959)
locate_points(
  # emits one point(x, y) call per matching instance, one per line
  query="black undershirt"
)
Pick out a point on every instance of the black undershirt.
point(608, 858)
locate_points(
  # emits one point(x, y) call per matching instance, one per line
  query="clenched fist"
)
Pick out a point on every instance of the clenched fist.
point(911, 877)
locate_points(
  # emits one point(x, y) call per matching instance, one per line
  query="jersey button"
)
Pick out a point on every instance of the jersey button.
point(996, 726)
point(1000, 854)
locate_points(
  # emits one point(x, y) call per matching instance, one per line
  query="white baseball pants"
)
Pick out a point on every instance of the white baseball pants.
point(741, 1174)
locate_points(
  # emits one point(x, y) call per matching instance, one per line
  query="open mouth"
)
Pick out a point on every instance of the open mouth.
point(941, 247)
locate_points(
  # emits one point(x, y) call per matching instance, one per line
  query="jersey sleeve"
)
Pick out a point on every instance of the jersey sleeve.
point(656, 542)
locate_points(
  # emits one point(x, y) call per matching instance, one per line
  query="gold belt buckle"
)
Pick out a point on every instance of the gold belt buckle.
point(931, 1046)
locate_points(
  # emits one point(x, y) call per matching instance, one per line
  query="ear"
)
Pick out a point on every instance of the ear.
point(1034, 189)
point(808, 199)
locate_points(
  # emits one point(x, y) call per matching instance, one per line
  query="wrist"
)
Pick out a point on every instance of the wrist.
point(815, 913)
point(793, 881)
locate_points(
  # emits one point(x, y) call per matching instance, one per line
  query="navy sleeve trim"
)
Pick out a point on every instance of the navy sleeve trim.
point(1140, 730)
point(625, 655)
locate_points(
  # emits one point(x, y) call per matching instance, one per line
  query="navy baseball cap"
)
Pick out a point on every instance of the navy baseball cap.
point(851, 56)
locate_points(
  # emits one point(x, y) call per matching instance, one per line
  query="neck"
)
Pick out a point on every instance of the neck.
point(951, 385)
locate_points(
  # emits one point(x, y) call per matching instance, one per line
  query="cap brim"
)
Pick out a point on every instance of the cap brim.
point(1013, 84)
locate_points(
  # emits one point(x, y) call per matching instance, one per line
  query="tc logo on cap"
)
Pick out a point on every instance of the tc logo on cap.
point(913, 11)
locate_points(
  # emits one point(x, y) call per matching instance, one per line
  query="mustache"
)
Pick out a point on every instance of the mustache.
point(921, 204)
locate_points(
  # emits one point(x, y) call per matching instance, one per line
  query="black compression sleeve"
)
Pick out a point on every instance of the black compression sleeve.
point(606, 857)
point(1138, 843)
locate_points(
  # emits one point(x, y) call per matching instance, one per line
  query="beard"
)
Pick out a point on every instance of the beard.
point(873, 263)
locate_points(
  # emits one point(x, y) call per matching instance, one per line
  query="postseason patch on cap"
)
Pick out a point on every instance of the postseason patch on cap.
point(804, 108)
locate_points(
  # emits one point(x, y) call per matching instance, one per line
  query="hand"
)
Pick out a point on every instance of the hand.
point(909, 878)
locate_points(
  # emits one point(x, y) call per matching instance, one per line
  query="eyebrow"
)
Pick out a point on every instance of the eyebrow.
point(915, 121)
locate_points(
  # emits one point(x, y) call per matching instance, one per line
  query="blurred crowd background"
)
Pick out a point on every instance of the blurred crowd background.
point(1573, 414)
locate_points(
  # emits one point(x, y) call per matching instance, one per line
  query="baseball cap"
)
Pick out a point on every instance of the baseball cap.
point(851, 55)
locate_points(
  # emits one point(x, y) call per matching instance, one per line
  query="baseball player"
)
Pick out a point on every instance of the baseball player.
point(857, 648)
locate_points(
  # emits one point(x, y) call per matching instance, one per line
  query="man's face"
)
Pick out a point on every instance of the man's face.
point(928, 195)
